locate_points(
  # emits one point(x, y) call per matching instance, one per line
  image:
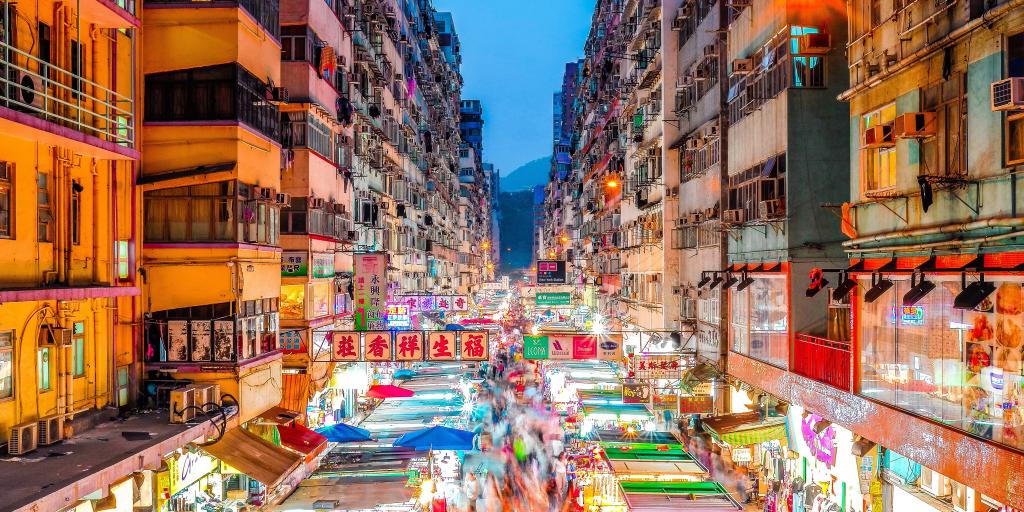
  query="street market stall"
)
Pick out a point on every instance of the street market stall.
point(674, 496)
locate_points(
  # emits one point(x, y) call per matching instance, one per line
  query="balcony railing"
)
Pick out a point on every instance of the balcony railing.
point(34, 86)
point(824, 360)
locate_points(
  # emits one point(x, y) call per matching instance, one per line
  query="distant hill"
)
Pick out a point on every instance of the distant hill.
point(527, 175)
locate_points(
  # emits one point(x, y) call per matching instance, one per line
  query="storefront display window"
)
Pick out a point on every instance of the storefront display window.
point(760, 326)
point(962, 368)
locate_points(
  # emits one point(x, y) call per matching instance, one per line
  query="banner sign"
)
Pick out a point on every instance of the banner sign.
point(649, 366)
point(637, 393)
point(432, 302)
point(550, 272)
point(370, 291)
point(405, 346)
point(323, 264)
point(554, 299)
point(291, 341)
point(570, 346)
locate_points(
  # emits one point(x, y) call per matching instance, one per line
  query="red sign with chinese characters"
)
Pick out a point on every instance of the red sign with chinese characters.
point(441, 346)
point(344, 346)
point(408, 346)
point(377, 346)
point(474, 345)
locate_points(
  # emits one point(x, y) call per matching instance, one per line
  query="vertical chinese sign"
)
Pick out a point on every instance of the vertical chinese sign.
point(370, 291)
point(474, 345)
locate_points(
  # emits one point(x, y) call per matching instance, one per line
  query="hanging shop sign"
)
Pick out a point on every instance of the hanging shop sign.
point(605, 347)
point(636, 393)
point(402, 346)
point(323, 264)
point(398, 316)
point(554, 299)
point(187, 469)
point(550, 272)
point(695, 405)
point(742, 455)
point(421, 303)
point(294, 264)
point(822, 445)
point(652, 366)
point(474, 346)
point(291, 341)
point(370, 291)
point(409, 346)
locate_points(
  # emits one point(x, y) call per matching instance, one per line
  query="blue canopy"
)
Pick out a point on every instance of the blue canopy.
point(437, 438)
point(404, 373)
point(344, 433)
point(454, 327)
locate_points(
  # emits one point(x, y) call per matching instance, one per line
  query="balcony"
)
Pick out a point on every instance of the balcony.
point(824, 360)
point(265, 12)
point(67, 99)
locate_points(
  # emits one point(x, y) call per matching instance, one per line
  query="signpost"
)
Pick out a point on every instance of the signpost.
point(554, 299)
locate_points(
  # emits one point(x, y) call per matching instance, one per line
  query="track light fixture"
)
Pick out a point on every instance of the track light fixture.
point(971, 296)
point(846, 285)
point(730, 280)
point(745, 282)
point(918, 290)
point(879, 285)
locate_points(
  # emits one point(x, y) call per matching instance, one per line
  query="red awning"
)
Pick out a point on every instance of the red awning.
point(389, 391)
point(301, 439)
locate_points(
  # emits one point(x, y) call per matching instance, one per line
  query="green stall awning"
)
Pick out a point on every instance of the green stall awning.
point(745, 429)
point(673, 488)
point(645, 451)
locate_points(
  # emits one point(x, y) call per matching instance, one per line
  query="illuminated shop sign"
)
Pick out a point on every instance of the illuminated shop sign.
point(909, 315)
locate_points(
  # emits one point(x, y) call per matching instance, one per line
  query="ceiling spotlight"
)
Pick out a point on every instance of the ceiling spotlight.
point(917, 290)
point(846, 285)
point(729, 281)
point(704, 280)
point(973, 294)
point(879, 285)
point(745, 282)
point(716, 281)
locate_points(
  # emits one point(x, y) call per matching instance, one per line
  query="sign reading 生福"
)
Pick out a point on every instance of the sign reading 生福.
point(370, 290)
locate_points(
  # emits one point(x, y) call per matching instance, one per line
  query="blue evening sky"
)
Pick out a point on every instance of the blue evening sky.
point(513, 56)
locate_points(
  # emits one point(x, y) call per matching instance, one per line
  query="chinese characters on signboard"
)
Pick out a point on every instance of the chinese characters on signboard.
point(645, 367)
point(636, 393)
point(401, 346)
point(370, 291)
point(432, 302)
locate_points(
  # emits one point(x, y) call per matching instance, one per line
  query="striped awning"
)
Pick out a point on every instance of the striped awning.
point(744, 429)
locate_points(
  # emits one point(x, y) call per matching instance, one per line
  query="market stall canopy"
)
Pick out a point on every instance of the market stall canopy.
point(389, 391)
point(250, 454)
point(745, 428)
point(600, 396)
point(619, 436)
point(688, 496)
point(624, 468)
point(344, 433)
point(437, 438)
point(301, 439)
point(645, 451)
point(619, 411)
point(404, 373)
point(279, 416)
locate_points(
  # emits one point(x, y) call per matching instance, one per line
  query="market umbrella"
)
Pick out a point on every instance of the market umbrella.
point(454, 327)
point(436, 438)
point(389, 391)
point(404, 373)
point(344, 433)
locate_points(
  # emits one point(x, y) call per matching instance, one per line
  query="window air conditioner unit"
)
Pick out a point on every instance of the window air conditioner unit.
point(693, 144)
point(694, 218)
point(711, 131)
point(183, 401)
point(54, 336)
point(51, 430)
point(22, 439)
point(28, 96)
point(736, 216)
point(267, 193)
point(914, 124)
point(280, 94)
point(771, 209)
point(710, 213)
point(1008, 94)
point(742, 66)
point(317, 203)
point(814, 44)
point(879, 136)
point(206, 394)
point(284, 199)
point(710, 50)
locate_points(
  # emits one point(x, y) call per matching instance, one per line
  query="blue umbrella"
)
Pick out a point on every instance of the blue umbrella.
point(344, 433)
point(437, 438)
point(404, 373)
point(454, 327)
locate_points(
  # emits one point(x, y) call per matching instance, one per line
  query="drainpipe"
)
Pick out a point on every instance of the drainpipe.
point(96, 197)
point(56, 214)
point(1004, 222)
point(989, 17)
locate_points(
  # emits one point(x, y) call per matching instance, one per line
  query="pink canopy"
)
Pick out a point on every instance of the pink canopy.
point(389, 391)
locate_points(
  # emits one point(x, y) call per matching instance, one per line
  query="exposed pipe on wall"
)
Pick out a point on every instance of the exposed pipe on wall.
point(1006, 222)
point(938, 245)
point(990, 16)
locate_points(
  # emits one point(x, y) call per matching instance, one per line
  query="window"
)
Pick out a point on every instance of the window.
point(44, 48)
point(77, 64)
point(875, 8)
point(760, 326)
point(122, 386)
point(214, 212)
point(45, 226)
point(763, 182)
point(878, 165)
point(76, 213)
point(6, 199)
point(944, 154)
point(1015, 120)
point(6, 364)
point(808, 70)
point(43, 368)
point(123, 272)
point(78, 349)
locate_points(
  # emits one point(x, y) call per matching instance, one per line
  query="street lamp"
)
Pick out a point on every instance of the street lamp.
point(564, 239)
point(612, 183)
point(551, 254)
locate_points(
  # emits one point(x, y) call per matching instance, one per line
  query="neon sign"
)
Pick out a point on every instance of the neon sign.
point(909, 315)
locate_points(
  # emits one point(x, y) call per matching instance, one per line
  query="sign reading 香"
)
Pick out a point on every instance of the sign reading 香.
point(535, 347)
